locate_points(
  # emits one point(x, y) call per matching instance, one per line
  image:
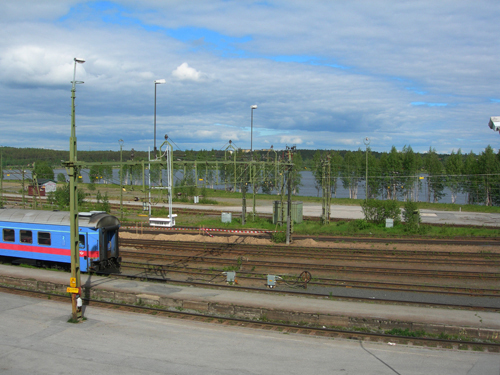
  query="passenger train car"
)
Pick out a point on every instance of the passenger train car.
point(44, 237)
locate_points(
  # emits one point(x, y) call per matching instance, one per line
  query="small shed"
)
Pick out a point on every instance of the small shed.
point(44, 186)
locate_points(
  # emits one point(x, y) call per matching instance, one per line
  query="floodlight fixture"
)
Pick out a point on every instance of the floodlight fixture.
point(494, 123)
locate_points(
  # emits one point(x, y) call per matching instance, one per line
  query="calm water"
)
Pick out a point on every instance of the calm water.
point(307, 188)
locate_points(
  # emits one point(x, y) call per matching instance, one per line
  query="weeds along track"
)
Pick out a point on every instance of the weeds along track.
point(456, 272)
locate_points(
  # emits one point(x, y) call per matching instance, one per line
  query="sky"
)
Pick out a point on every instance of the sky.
point(323, 74)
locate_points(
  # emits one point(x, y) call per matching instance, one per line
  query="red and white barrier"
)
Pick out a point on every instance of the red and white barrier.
point(206, 230)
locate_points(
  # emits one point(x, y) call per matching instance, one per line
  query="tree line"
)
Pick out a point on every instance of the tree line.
point(391, 175)
point(401, 175)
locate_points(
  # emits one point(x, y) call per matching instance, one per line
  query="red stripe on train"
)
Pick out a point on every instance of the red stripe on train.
point(46, 250)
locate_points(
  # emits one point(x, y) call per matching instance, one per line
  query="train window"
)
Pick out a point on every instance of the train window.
point(44, 238)
point(81, 239)
point(26, 236)
point(9, 235)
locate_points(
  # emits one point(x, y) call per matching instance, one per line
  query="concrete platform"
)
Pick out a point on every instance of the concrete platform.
point(266, 305)
point(35, 338)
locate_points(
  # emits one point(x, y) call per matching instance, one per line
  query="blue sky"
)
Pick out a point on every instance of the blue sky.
point(324, 74)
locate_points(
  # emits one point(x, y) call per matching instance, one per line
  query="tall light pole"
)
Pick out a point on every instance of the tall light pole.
point(120, 141)
point(251, 128)
point(157, 82)
point(251, 155)
point(367, 143)
point(73, 205)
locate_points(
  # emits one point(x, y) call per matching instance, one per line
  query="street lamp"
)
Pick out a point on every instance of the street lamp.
point(157, 82)
point(251, 155)
point(251, 128)
point(75, 281)
point(494, 123)
point(120, 142)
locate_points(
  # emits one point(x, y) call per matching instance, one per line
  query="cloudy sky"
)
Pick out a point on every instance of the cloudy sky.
point(324, 74)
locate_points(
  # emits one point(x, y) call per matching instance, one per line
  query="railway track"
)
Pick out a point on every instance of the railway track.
point(157, 272)
point(253, 263)
point(300, 329)
point(484, 259)
point(272, 266)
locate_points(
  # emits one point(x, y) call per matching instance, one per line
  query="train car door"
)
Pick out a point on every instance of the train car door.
point(84, 251)
point(112, 241)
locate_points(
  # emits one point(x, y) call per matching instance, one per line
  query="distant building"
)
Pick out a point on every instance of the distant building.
point(44, 186)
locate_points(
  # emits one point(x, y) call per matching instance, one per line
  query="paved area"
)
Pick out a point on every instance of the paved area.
point(251, 303)
point(35, 338)
point(355, 212)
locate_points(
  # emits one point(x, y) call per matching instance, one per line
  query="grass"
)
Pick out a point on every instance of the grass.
point(341, 228)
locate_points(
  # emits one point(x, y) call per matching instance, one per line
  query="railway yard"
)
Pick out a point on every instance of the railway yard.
point(440, 293)
point(434, 293)
point(462, 271)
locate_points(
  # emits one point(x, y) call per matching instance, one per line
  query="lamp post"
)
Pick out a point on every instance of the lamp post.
point(75, 282)
point(252, 171)
point(120, 142)
point(157, 82)
point(251, 128)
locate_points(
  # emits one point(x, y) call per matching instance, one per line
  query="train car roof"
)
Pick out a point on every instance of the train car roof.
point(85, 219)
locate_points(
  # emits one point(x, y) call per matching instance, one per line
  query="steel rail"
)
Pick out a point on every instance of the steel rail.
point(326, 267)
point(318, 281)
point(475, 259)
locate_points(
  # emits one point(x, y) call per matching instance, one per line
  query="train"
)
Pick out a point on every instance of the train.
point(43, 238)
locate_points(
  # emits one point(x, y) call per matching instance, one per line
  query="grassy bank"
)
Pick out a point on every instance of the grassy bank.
point(341, 228)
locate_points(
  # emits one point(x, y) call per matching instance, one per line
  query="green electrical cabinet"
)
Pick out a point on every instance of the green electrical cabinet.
point(297, 212)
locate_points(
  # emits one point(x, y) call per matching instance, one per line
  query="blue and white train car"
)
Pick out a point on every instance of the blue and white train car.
point(44, 237)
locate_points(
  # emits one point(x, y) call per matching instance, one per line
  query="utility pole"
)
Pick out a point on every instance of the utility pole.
point(24, 205)
point(326, 188)
point(243, 195)
point(253, 191)
point(34, 180)
point(1, 178)
point(367, 143)
point(289, 200)
point(75, 282)
point(120, 141)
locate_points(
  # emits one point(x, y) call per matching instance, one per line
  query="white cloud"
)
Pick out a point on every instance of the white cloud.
point(290, 140)
point(396, 53)
point(29, 65)
point(185, 73)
